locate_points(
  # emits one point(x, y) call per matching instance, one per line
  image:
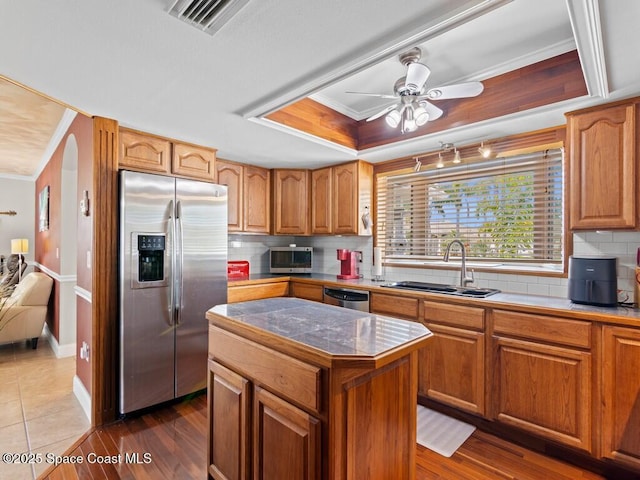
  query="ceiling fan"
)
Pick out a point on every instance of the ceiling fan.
point(414, 108)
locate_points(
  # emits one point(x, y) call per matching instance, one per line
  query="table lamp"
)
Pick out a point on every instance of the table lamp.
point(19, 246)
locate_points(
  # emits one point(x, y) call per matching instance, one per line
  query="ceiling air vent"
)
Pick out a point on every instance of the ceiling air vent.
point(206, 15)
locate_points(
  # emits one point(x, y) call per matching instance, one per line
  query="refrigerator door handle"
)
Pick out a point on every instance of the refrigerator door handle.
point(180, 261)
point(171, 234)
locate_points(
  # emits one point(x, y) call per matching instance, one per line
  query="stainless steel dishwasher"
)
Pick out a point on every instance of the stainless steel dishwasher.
point(343, 297)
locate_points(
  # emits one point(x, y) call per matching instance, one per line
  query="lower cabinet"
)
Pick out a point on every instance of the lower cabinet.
point(307, 291)
point(243, 293)
point(621, 395)
point(542, 380)
point(454, 371)
point(229, 429)
point(286, 439)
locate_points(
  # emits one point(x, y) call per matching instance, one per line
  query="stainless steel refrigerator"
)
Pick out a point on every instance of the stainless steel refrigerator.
point(173, 268)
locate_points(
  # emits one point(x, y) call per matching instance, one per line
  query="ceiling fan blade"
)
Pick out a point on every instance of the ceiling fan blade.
point(433, 111)
point(417, 75)
point(458, 90)
point(381, 113)
point(379, 95)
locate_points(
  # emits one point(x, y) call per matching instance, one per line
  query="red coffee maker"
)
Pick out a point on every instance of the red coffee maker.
point(348, 260)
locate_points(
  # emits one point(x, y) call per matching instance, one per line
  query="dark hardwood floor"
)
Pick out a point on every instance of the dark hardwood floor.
point(174, 438)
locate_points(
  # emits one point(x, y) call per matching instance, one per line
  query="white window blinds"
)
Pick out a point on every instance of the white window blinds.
point(507, 209)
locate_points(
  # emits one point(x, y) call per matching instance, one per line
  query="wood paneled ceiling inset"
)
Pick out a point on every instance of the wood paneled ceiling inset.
point(543, 83)
point(319, 120)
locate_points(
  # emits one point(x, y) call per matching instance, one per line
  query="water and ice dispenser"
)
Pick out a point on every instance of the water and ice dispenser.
point(148, 252)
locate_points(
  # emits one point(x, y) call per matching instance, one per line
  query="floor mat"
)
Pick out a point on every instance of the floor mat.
point(440, 433)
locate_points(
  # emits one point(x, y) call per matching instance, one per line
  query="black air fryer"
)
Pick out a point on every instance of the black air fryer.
point(593, 281)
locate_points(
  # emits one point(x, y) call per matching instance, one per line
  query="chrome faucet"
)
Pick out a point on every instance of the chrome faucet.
point(464, 279)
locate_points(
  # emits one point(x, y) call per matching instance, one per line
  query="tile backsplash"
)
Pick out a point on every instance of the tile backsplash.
point(623, 245)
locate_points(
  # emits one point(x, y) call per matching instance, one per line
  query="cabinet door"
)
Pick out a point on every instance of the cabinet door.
point(621, 395)
point(256, 202)
point(193, 162)
point(454, 373)
point(230, 174)
point(602, 163)
point(394, 306)
point(144, 153)
point(229, 424)
point(307, 291)
point(286, 440)
point(321, 201)
point(291, 204)
point(345, 199)
point(543, 389)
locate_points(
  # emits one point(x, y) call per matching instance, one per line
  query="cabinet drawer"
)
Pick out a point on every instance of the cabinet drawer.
point(294, 380)
point(456, 315)
point(540, 327)
point(243, 293)
point(395, 306)
point(309, 292)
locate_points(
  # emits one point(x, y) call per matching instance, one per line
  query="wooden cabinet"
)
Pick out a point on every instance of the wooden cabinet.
point(454, 364)
point(149, 153)
point(248, 191)
point(193, 161)
point(621, 395)
point(143, 152)
point(243, 293)
point(290, 202)
point(340, 195)
point(229, 429)
point(286, 440)
point(307, 291)
point(603, 167)
point(542, 376)
point(321, 201)
point(253, 433)
point(394, 306)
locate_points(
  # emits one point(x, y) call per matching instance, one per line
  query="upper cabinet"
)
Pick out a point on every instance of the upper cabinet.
point(340, 197)
point(248, 191)
point(602, 167)
point(290, 202)
point(149, 153)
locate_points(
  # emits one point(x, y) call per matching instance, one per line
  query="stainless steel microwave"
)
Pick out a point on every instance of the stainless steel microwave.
point(291, 259)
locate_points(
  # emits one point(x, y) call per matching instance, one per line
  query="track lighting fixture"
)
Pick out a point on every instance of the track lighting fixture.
point(418, 165)
point(484, 151)
point(440, 163)
point(456, 156)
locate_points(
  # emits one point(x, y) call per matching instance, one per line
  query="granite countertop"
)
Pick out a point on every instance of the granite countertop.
point(561, 305)
point(330, 329)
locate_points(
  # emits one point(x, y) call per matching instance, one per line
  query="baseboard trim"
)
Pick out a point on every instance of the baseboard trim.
point(82, 395)
point(61, 351)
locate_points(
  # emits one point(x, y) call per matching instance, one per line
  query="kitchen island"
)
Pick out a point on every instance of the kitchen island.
point(302, 390)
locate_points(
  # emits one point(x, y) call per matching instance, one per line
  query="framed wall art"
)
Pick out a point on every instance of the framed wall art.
point(43, 203)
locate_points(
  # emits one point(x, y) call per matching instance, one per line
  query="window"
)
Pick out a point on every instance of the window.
point(506, 211)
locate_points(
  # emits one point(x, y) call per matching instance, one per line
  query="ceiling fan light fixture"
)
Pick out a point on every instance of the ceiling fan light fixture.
point(421, 115)
point(393, 118)
point(409, 121)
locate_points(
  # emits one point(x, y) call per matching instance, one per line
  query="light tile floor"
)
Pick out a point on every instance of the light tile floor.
point(38, 411)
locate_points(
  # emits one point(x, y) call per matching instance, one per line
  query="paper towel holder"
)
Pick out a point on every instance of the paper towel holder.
point(377, 265)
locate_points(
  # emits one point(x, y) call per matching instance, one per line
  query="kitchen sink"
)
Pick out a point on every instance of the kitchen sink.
point(445, 289)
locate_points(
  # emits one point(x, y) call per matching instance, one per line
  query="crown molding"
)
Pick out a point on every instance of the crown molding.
point(56, 138)
point(587, 30)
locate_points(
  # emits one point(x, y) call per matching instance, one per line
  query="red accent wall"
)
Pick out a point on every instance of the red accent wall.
point(48, 241)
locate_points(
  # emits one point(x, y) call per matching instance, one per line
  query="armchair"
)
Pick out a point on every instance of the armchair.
point(23, 314)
